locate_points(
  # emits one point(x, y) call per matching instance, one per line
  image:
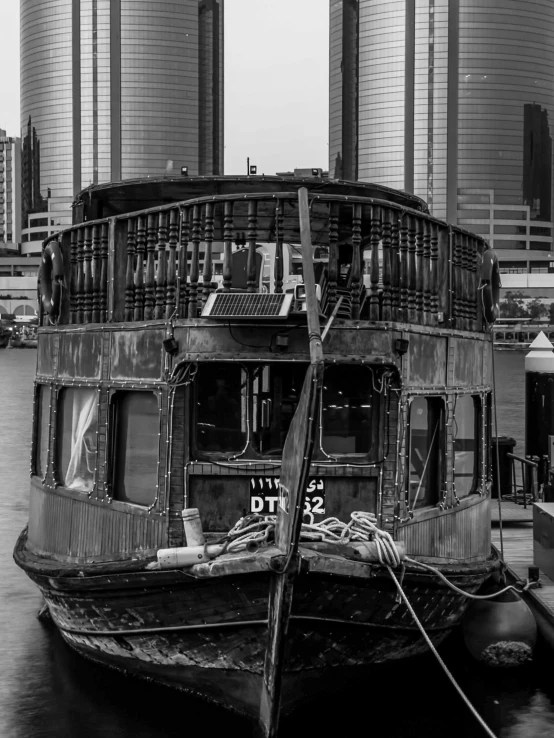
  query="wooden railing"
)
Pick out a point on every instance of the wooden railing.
point(158, 263)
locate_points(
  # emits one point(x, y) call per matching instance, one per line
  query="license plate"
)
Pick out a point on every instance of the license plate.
point(264, 495)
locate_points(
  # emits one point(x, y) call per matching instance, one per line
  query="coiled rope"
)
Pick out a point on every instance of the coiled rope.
point(259, 529)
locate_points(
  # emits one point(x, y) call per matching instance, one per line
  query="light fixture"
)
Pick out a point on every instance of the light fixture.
point(401, 345)
point(170, 345)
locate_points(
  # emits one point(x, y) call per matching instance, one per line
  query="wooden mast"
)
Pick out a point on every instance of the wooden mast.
point(295, 468)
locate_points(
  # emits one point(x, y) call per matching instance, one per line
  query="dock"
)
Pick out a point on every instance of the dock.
point(518, 556)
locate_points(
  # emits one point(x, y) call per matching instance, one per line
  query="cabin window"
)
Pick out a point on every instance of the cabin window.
point(276, 390)
point(349, 410)
point(135, 447)
point(426, 451)
point(135, 428)
point(465, 430)
point(221, 416)
point(42, 430)
point(77, 427)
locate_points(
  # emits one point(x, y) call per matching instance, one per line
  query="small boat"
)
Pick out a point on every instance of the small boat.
point(236, 490)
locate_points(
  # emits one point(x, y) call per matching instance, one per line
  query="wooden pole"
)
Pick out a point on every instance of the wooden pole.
point(295, 468)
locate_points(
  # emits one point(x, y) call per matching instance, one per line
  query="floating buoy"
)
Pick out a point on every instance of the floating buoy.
point(501, 631)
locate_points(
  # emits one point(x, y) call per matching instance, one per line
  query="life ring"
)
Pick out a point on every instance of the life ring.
point(51, 278)
point(490, 286)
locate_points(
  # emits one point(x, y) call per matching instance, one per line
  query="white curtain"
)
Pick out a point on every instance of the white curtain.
point(82, 462)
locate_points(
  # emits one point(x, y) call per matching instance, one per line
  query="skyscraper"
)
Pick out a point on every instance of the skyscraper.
point(453, 100)
point(10, 191)
point(117, 89)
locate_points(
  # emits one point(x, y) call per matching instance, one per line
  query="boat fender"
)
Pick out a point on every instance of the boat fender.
point(500, 631)
point(175, 558)
point(51, 278)
point(490, 286)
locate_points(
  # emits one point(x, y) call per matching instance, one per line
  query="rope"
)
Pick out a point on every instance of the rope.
point(441, 576)
point(448, 673)
point(362, 527)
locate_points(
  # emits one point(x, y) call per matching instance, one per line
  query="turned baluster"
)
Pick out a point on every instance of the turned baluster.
point(130, 271)
point(387, 255)
point(87, 302)
point(420, 268)
point(161, 273)
point(139, 271)
point(104, 247)
point(194, 266)
point(395, 264)
point(279, 233)
point(73, 279)
point(251, 285)
point(96, 268)
point(375, 238)
point(208, 240)
point(456, 285)
point(227, 245)
point(412, 274)
point(474, 282)
point(404, 269)
point(173, 240)
point(427, 272)
point(183, 293)
point(355, 269)
point(149, 274)
point(80, 289)
point(333, 267)
point(434, 256)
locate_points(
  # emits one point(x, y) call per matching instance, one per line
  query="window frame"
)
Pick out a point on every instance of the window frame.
point(111, 454)
point(440, 468)
point(55, 447)
point(375, 452)
point(36, 430)
point(477, 428)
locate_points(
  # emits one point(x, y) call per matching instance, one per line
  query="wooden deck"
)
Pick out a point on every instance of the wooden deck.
point(518, 555)
point(511, 513)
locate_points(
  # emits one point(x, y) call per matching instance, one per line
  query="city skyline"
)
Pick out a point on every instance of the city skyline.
point(275, 109)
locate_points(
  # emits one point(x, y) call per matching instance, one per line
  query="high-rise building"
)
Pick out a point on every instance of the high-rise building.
point(10, 192)
point(453, 100)
point(117, 89)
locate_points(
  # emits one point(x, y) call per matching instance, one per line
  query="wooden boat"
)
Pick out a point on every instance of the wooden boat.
point(174, 374)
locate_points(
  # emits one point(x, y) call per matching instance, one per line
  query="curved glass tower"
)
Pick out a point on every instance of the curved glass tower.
point(453, 100)
point(117, 89)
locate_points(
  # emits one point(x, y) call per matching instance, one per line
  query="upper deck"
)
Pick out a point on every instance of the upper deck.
point(377, 249)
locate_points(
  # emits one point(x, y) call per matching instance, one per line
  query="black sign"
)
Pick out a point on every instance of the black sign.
point(264, 496)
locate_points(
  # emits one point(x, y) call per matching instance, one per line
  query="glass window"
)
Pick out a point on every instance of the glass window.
point(77, 426)
point(221, 419)
point(465, 445)
point(42, 430)
point(135, 446)
point(349, 410)
point(426, 450)
point(276, 390)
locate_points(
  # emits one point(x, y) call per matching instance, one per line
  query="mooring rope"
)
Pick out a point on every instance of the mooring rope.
point(447, 671)
point(438, 573)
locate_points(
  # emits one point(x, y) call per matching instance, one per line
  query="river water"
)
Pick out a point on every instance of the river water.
point(47, 691)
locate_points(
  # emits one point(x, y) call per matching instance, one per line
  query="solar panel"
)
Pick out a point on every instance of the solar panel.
point(247, 305)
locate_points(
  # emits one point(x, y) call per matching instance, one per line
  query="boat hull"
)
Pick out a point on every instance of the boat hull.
point(208, 636)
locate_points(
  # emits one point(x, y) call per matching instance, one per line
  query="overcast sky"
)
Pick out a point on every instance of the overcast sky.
point(276, 82)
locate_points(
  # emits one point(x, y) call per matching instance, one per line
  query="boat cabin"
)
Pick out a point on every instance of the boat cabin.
point(172, 364)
